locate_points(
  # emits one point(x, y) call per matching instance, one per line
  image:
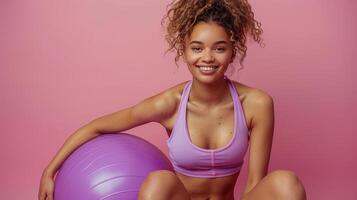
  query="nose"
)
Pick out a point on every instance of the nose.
point(207, 56)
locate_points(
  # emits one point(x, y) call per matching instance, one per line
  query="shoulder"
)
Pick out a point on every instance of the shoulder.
point(172, 95)
point(253, 96)
point(255, 102)
point(167, 101)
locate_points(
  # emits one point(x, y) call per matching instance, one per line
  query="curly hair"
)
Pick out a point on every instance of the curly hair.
point(235, 16)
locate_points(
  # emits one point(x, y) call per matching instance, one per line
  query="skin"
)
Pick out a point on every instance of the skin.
point(210, 123)
point(210, 112)
point(210, 108)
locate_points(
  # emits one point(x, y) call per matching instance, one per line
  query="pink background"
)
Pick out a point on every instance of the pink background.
point(64, 63)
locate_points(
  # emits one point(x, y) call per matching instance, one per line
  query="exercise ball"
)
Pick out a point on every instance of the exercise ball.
point(108, 167)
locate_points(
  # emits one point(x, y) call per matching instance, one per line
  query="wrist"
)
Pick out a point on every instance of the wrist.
point(48, 172)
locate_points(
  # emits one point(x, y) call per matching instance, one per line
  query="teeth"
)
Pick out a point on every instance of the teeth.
point(207, 67)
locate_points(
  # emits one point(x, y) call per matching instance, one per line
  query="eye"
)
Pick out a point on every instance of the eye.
point(220, 49)
point(196, 49)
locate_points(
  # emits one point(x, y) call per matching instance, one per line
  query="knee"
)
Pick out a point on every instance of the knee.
point(288, 184)
point(158, 183)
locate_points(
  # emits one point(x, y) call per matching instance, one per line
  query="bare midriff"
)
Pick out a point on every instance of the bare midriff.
point(219, 188)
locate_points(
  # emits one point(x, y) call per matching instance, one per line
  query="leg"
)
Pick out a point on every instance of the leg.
point(163, 185)
point(278, 185)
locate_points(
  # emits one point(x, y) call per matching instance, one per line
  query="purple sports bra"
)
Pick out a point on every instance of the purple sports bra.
point(191, 160)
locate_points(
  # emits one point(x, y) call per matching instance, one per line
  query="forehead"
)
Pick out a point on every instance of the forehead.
point(208, 32)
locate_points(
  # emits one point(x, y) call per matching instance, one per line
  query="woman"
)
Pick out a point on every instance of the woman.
point(208, 119)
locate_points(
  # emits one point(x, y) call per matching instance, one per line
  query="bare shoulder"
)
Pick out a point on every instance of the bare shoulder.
point(254, 101)
point(253, 96)
point(158, 108)
point(168, 101)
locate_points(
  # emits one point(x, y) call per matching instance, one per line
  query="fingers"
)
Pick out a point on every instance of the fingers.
point(42, 196)
point(45, 196)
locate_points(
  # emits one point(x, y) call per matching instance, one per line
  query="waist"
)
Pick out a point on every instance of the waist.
point(207, 171)
point(218, 188)
point(214, 197)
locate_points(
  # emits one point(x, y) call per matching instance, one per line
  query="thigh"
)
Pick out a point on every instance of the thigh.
point(163, 184)
point(279, 184)
point(263, 190)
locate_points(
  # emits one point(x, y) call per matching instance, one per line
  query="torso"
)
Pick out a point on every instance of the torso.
point(211, 121)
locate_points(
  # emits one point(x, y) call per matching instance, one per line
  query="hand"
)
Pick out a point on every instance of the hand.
point(46, 187)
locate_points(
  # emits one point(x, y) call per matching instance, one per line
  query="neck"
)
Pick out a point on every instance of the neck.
point(209, 94)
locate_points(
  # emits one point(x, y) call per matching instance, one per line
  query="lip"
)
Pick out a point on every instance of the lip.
point(210, 72)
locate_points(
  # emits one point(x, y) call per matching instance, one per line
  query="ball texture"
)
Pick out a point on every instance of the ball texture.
point(108, 167)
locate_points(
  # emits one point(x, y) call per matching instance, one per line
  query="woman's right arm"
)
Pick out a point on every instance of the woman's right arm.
point(157, 108)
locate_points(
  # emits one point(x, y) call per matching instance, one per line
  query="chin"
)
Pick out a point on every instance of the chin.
point(208, 79)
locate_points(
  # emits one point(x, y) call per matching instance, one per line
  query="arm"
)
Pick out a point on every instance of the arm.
point(262, 107)
point(157, 108)
point(154, 109)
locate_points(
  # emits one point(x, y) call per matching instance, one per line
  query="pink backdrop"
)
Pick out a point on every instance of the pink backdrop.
point(64, 63)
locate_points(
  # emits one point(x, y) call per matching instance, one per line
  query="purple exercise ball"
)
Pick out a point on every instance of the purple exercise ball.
point(108, 167)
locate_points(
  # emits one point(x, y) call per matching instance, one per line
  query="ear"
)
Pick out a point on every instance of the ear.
point(232, 57)
point(182, 54)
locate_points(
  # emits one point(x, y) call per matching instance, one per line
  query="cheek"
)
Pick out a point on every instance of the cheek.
point(224, 58)
point(192, 58)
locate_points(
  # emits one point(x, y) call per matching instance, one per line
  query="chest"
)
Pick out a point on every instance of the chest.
point(210, 128)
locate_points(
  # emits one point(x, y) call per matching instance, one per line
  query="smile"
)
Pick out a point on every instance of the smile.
point(208, 69)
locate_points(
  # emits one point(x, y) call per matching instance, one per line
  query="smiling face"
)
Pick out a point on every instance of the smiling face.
point(208, 52)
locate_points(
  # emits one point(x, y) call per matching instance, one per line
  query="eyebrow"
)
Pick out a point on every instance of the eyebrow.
point(218, 42)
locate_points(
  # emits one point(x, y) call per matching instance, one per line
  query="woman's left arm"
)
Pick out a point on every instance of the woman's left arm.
point(261, 106)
